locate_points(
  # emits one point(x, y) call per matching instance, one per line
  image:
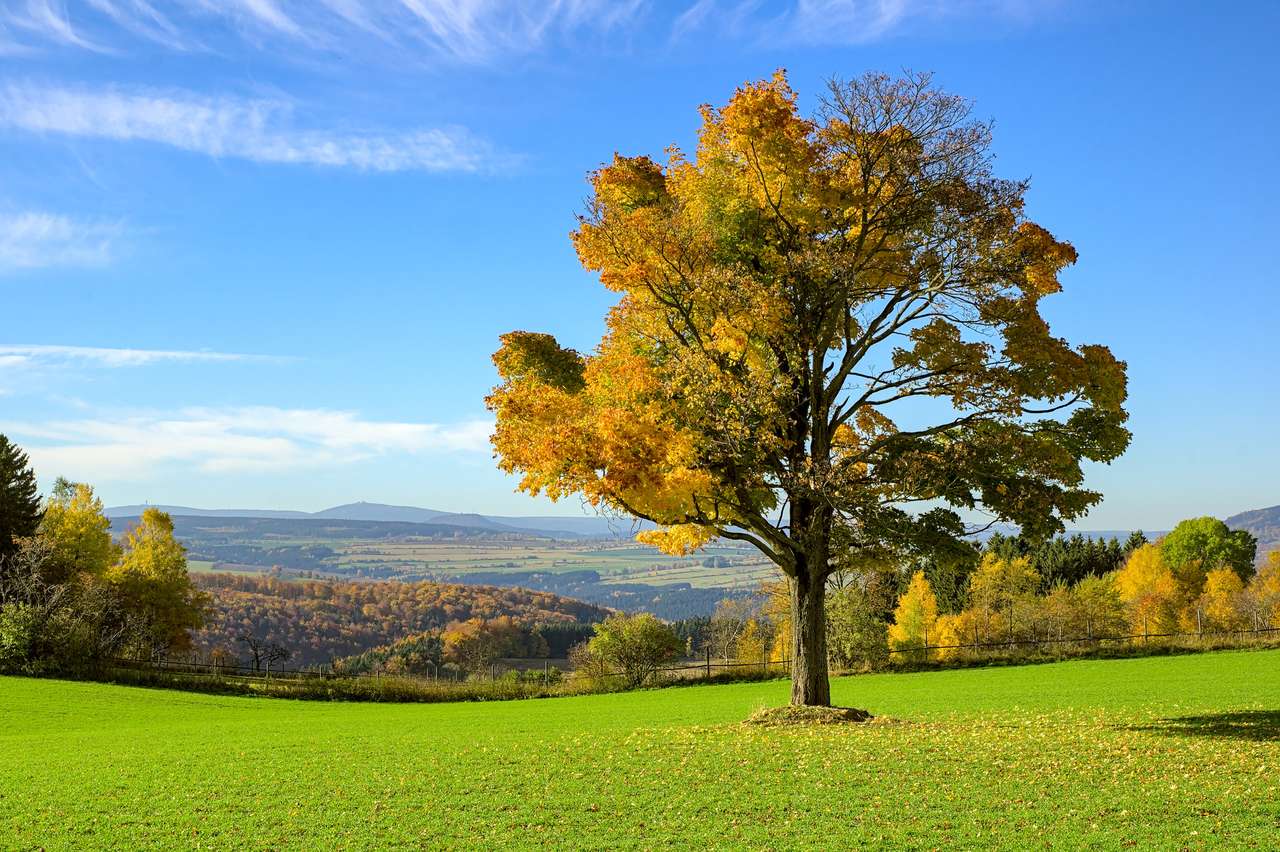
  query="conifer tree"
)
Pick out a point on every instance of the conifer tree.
point(19, 500)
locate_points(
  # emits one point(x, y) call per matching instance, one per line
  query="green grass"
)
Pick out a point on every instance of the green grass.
point(1162, 753)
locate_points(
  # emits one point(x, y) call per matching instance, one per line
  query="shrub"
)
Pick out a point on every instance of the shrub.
point(636, 646)
point(19, 628)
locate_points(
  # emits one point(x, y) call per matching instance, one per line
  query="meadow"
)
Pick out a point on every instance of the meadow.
point(1162, 753)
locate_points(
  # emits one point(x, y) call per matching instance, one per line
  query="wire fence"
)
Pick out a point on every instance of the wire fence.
point(529, 668)
point(706, 667)
point(1136, 639)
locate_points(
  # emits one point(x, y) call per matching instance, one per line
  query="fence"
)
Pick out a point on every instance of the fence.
point(705, 668)
point(445, 677)
point(1136, 639)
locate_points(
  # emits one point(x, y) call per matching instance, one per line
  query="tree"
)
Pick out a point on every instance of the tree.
point(1097, 607)
point(1223, 602)
point(154, 587)
point(1198, 545)
point(949, 575)
point(999, 585)
point(915, 618)
point(53, 626)
point(1149, 590)
point(728, 623)
point(474, 645)
point(635, 646)
point(1136, 539)
point(856, 635)
point(78, 532)
point(1263, 593)
point(19, 499)
point(784, 292)
point(264, 652)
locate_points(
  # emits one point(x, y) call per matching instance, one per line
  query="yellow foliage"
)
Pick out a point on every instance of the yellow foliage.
point(152, 581)
point(77, 531)
point(756, 642)
point(953, 630)
point(1149, 591)
point(1223, 602)
point(678, 540)
point(1264, 591)
point(997, 582)
point(915, 617)
point(762, 275)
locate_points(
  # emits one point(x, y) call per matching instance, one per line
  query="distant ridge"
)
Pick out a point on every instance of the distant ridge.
point(571, 527)
point(592, 526)
point(187, 511)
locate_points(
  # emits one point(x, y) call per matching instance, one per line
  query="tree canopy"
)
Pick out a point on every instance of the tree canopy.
point(823, 322)
point(1199, 545)
point(78, 532)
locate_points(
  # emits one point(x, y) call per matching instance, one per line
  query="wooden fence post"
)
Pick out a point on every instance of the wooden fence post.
point(708, 650)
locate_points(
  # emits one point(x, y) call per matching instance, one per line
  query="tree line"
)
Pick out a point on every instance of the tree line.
point(70, 595)
point(1200, 578)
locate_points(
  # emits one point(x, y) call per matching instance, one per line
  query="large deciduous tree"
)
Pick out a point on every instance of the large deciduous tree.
point(824, 323)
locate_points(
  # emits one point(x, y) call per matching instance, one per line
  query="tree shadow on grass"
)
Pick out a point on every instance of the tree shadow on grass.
point(1253, 725)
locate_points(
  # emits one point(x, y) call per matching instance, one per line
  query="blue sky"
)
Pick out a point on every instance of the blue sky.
point(258, 252)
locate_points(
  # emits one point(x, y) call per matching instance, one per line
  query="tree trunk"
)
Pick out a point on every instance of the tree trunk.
point(809, 682)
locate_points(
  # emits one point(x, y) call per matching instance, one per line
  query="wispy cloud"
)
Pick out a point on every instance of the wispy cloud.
point(830, 22)
point(230, 440)
point(34, 240)
point(31, 354)
point(468, 31)
point(261, 130)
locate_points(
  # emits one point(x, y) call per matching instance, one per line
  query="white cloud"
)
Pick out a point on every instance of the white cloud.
point(843, 21)
point(34, 240)
point(260, 130)
point(469, 31)
point(230, 440)
point(31, 354)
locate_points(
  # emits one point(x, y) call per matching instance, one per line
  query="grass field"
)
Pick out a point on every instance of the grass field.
point(1160, 753)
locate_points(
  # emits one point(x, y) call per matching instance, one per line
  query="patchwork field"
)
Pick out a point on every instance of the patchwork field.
point(1160, 753)
point(613, 572)
point(716, 567)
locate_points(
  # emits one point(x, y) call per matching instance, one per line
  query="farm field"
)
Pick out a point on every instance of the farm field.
point(735, 567)
point(1160, 753)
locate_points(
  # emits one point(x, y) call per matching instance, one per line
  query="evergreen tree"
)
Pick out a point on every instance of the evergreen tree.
point(19, 502)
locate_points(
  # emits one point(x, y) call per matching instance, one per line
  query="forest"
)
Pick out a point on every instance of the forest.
point(318, 621)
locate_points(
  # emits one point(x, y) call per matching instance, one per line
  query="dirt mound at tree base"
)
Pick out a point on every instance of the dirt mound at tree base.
point(777, 717)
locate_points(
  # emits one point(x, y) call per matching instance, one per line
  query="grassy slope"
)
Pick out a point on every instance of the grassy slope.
point(1070, 754)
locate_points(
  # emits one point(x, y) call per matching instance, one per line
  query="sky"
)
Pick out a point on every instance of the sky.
point(257, 253)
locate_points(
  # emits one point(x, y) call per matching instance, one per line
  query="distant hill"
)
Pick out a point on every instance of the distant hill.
point(187, 511)
point(1263, 523)
point(592, 526)
point(379, 512)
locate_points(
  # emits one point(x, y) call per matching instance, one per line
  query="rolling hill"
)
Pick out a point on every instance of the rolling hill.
point(593, 526)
